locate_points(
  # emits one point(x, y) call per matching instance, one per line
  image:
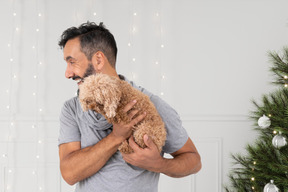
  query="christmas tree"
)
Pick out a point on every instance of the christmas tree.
point(264, 166)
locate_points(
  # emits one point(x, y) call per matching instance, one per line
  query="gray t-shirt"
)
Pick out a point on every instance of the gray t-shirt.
point(117, 175)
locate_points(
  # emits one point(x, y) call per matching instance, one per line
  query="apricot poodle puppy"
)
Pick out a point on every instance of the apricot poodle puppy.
point(109, 95)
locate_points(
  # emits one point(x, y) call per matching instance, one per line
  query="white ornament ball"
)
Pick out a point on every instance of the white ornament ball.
point(264, 122)
point(270, 187)
point(279, 141)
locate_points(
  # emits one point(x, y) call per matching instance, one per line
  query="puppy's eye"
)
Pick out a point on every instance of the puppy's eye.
point(101, 106)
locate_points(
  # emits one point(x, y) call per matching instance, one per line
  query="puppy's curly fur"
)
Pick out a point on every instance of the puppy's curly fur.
point(109, 95)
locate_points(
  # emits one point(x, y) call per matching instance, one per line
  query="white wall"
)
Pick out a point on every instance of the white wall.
point(212, 54)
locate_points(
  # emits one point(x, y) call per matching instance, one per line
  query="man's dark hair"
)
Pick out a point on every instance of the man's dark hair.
point(92, 38)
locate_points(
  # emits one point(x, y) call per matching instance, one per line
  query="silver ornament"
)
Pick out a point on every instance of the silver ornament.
point(270, 187)
point(264, 122)
point(279, 141)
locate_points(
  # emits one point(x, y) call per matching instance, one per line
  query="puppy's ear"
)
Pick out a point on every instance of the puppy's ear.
point(100, 93)
point(86, 95)
point(109, 93)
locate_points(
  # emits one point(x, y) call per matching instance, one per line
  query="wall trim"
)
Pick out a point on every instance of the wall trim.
point(189, 117)
point(218, 141)
point(215, 118)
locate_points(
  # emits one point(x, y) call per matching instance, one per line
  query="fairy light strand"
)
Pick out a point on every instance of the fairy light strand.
point(11, 92)
point(35, 94)
point(161, 46)
point(131, 44)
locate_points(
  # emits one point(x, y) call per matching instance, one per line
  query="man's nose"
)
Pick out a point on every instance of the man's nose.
point(69, 72)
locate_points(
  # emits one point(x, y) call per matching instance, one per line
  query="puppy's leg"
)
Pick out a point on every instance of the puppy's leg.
point(125, 147)
point(156, 133)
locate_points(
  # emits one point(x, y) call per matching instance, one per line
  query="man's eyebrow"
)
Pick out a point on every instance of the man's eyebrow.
point(68, 58)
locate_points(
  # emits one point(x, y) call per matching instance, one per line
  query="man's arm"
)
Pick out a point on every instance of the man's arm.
point(185, 161)
point(77, 164)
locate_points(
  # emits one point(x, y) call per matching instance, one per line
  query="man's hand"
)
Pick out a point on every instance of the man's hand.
point(148, 158)
point(185, 161)
point(122, 130)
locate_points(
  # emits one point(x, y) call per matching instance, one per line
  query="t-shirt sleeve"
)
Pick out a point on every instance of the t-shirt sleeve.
point(176, 133)
point(69, 130)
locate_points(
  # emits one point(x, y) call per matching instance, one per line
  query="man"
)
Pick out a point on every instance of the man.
point(88, 144)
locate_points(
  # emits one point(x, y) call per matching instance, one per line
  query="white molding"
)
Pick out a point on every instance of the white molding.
point(39, 166)
point(30, 118)
point(215, 118)
point(219, 143)
point(3, 178)
point(184, 117)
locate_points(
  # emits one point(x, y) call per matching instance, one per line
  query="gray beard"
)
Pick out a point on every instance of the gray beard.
point(89, 71)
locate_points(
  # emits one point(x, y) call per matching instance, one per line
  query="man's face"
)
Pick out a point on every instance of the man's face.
point(78, 66)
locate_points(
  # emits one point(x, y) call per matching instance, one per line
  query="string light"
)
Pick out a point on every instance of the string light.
point(38, 110)
point(159, 43)
point(12, 45)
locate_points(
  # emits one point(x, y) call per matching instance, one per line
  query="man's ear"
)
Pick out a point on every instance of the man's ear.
point(98, 61)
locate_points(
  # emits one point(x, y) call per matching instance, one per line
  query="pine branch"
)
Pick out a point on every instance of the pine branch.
point(263, 162)
point(280, 66)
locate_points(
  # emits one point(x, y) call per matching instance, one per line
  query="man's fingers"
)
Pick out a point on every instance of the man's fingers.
point(132, 144)
point(132, 113)
point(129, 106)
point(137, 119)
